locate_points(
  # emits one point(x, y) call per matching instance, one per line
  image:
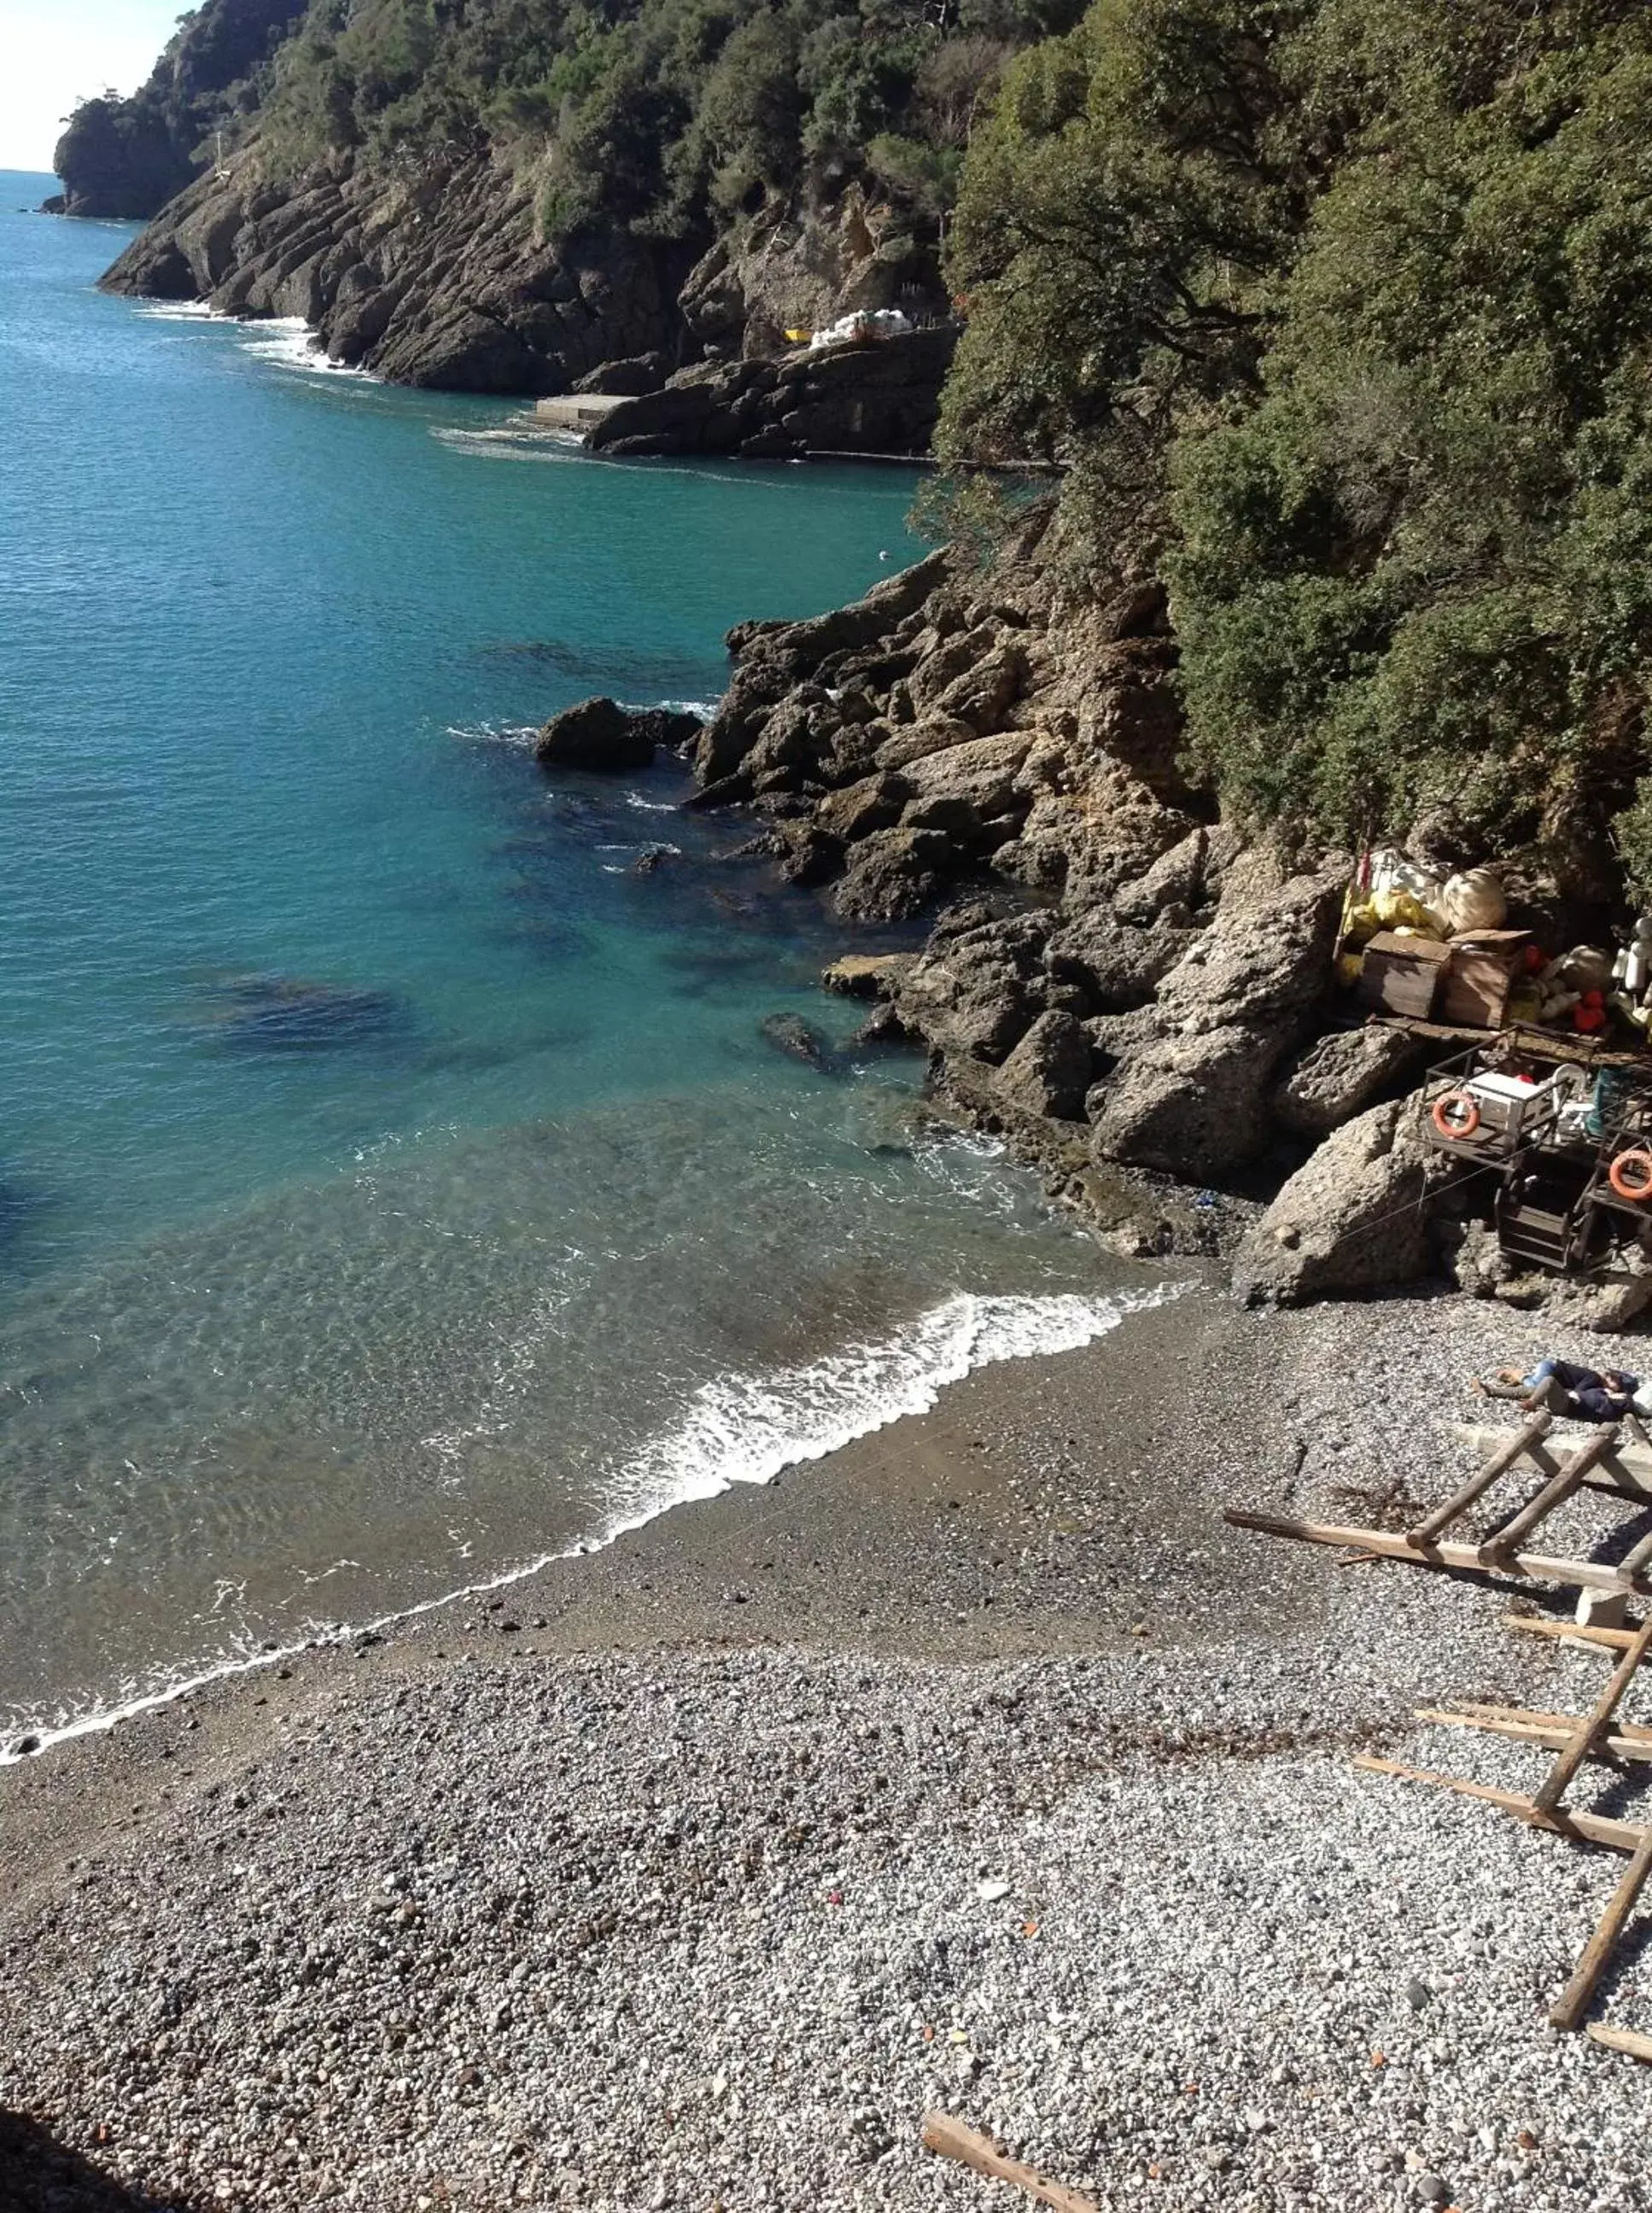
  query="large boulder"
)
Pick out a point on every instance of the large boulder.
point(893, 875)
point(1116, 964)
point(1351, 1219)
point(1049, 1072)
point(602, 735)
point(1265, 959)
point(1340, 1074)
point(1192, 1106)
point(963, 787)
point(867, 975)
point(976, 985)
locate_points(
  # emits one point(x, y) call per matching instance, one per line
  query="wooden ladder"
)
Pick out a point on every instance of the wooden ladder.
point(1574, 1739)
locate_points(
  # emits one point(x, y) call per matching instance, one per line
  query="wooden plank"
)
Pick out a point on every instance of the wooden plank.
point(1553, 1787)
point(1515, 1444)
point(1549, 1732)
point(1592, 1828)
point(1629, 1732)
point(1635, 1561)
point(1539, 1625)
point(944, 2134)
point(1574, 2001)
point(1625, 1467)
point(1440, 1553)
point(1620, 2039)
point(1506, 1538)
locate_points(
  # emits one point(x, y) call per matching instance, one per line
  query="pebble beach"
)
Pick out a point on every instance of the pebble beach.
point(980, 1767)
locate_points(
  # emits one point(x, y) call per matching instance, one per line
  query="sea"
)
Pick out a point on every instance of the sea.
point(398, 1187)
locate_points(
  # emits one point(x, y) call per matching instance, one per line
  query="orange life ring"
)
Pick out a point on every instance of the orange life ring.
point(1637, 1158)
point(1456, 1116)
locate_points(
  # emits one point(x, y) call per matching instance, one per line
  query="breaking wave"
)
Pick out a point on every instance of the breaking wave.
point(738, 1429)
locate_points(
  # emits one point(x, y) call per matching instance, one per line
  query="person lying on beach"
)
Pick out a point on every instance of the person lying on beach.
point(1562, 1386)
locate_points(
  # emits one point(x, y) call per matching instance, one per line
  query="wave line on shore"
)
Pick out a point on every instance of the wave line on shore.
point(738, 1429)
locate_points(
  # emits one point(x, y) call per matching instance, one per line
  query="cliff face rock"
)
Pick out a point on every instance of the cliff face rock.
point(1126, 988)
point(128, 157)
point(791, 268)
point(438, 276)
point(881, 398)
point(435, 278)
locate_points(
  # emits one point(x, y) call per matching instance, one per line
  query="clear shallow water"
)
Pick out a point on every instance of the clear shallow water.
point(393, 1187)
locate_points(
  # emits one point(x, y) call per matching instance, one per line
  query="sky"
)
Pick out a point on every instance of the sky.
point(54, 52)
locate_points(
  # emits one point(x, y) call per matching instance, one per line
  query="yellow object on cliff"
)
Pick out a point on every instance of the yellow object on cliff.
point(798, 338)
point(1395, 910)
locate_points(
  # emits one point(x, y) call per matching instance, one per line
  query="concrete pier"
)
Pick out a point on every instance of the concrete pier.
point(575, 411)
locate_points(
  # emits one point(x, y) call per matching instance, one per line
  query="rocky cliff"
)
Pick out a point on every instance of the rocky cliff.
point(1130, 991)
point(432, 277)
point(437, 274)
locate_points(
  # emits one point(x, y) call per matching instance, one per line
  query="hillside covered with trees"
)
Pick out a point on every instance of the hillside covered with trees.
point(1338, 314)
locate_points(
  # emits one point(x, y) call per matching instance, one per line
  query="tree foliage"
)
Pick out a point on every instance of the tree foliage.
point(1342, 306)
point(660, 114)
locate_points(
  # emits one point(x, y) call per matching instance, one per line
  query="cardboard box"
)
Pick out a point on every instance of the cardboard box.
point(1481, 975)
point(1402, 975)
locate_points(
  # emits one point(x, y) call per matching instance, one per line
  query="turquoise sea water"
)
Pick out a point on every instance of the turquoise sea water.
point(393, 1184)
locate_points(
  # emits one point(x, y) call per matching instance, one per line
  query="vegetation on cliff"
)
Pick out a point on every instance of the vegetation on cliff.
point(127, 157)
point(1339, 311)
point(657, 113)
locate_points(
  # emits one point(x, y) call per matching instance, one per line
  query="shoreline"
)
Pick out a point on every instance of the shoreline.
point(920, 1661)
point(765, 1459)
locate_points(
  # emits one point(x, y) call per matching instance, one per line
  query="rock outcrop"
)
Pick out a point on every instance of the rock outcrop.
point(434, 277)
point(601, 734)
point(1126, 988)
point(126, 158)
point(880, 397)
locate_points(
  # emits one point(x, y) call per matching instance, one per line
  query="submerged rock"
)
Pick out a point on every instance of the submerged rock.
point(800, 1041)
point(289, 1014)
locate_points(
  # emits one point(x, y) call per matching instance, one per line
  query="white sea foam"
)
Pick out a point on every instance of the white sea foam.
point(510, 444)
point(521, 734)
point(179, 311)
point(738, 1429)
point(287, 340)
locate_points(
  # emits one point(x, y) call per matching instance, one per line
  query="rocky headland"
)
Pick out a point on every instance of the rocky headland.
point(1131, 991)
point(127, 158)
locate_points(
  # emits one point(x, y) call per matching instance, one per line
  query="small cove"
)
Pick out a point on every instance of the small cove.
point(393, 1184)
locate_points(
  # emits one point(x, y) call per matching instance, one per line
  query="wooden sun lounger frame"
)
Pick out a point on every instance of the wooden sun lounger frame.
point(1575, 1739)
point(1597, 1461)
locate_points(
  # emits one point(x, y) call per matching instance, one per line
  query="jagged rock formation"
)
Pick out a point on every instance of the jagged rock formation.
point(1116, 979)
point(128, 157)
point(880, 398)
point(438, 277)
point(430, 278)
